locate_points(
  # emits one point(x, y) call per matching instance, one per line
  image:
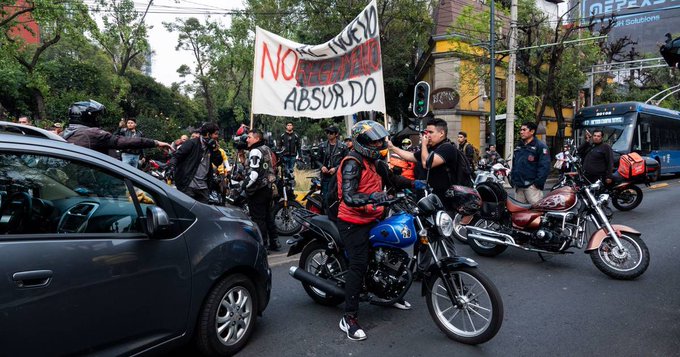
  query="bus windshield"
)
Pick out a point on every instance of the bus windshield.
point(617, 130)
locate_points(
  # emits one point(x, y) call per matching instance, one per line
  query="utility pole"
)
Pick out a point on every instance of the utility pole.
point(492, 95)
point(510, 116)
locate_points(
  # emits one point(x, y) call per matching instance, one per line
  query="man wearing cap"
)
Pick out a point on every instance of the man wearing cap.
point(331, 153)
point(57, 128)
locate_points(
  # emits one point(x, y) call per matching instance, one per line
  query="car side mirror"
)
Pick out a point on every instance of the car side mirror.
point(157, 222)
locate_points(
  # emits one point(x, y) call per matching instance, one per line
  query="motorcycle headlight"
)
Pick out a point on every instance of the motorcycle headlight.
point(602, 199)
point(444, 223)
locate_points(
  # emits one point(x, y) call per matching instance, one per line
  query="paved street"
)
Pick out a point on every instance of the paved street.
point(563, 307)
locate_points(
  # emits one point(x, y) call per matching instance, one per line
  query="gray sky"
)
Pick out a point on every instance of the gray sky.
point(166, 60)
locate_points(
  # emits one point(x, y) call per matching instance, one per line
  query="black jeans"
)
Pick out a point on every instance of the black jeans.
point(260, 208)
point(202, 196)
point(357, 245)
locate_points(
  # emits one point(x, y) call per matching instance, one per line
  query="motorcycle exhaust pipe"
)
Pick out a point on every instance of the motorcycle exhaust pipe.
point(311, 279)
point(490, 236)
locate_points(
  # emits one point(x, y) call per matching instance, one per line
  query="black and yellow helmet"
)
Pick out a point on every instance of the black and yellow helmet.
point(364, 133)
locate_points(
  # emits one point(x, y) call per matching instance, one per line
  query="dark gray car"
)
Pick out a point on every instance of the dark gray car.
point(88, 268)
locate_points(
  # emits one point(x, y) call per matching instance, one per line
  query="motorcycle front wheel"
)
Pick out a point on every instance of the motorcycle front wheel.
point(286, 225)
point(628, 198)
point(315, 259)
point(475, 313)
point(623, 264)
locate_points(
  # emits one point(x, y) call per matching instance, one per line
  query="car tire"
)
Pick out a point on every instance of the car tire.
point(228, 317)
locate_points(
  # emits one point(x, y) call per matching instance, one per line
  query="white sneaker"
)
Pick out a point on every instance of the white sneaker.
point(350, 325)
point(402, 305)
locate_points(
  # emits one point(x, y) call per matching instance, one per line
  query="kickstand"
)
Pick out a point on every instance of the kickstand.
point(546, 257)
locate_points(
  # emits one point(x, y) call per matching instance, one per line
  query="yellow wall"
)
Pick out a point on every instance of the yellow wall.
point(470, 125)
point(551, 129)
point(469, 91)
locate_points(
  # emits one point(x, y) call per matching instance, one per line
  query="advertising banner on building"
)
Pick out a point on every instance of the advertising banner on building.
point(643, 21)
point(340, 77)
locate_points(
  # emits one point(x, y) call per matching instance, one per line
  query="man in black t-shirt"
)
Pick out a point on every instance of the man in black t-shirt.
point(444, 163)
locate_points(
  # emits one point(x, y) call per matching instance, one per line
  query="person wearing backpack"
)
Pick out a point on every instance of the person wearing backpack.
point(360, 183)
point(471, 153)
point(449, 166)
point(260, 176)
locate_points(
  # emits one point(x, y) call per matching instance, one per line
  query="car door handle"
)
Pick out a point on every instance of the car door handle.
point(32, 278)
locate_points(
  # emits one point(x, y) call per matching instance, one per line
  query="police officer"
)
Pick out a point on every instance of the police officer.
point(260, 176)
point(531, 165)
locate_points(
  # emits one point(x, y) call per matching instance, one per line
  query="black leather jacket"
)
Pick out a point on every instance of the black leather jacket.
point(101, 140)
point(186, 159)
point(290, 144)
point(331, 157)
point(351, 174)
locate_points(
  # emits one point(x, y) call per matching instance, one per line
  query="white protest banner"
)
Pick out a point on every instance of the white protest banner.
point(340, 77)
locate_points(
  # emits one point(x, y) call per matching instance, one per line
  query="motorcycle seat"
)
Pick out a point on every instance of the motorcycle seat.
point(516, 206)
point(327, 226)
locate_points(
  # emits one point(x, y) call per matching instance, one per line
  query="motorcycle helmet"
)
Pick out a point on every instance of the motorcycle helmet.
point(464, 200)
point(366, 132)
point(406, 144)
point(86, 113)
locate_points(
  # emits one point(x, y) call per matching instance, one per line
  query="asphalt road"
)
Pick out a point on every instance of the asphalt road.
point(562, 307)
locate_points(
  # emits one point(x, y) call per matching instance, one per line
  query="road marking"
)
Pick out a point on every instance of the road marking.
point(658, 185)
point(279, 259)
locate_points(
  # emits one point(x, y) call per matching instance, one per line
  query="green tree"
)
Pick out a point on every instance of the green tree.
point(56, 19)
point(197, 38)
point(124, 35)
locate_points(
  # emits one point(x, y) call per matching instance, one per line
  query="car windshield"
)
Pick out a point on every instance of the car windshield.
point(53, 178)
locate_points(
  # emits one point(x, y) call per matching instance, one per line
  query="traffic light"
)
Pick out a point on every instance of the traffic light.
point(670, 51)
point(421, 99)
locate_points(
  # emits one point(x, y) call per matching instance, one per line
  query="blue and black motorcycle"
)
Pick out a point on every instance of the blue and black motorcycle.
point(462, 301)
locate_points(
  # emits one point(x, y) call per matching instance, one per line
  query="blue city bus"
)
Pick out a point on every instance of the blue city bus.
point(651, 131)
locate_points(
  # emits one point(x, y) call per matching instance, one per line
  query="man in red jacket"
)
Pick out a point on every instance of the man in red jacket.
point(360, 188)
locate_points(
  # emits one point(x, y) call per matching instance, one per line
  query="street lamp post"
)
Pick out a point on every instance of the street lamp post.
point(492, 95)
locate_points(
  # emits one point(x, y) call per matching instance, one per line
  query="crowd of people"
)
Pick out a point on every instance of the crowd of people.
point(355, 172)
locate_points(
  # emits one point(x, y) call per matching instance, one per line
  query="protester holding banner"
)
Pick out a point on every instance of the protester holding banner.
point(289, 143)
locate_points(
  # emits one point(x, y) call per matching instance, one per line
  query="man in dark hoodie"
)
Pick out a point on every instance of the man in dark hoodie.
point(598, 157)
point(83, 130)
point(191, 164)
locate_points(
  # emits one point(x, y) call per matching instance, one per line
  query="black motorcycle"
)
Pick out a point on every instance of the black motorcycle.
point(285, 202)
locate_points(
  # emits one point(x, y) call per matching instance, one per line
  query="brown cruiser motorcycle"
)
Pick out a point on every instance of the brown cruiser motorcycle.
point(555, 224)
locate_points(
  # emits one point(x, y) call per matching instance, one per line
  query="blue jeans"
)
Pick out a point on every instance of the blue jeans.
point(130, 159)
point(289, 162)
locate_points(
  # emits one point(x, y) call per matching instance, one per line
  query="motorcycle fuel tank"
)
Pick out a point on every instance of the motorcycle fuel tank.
point(562, 199)
point(395, 231)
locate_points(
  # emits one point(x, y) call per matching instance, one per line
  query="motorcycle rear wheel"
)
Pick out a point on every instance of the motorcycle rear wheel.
point(482, 248)
point(285, 223)
point(627, 198)
point(476, 315)
point(623, 265)
point(316, 260)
